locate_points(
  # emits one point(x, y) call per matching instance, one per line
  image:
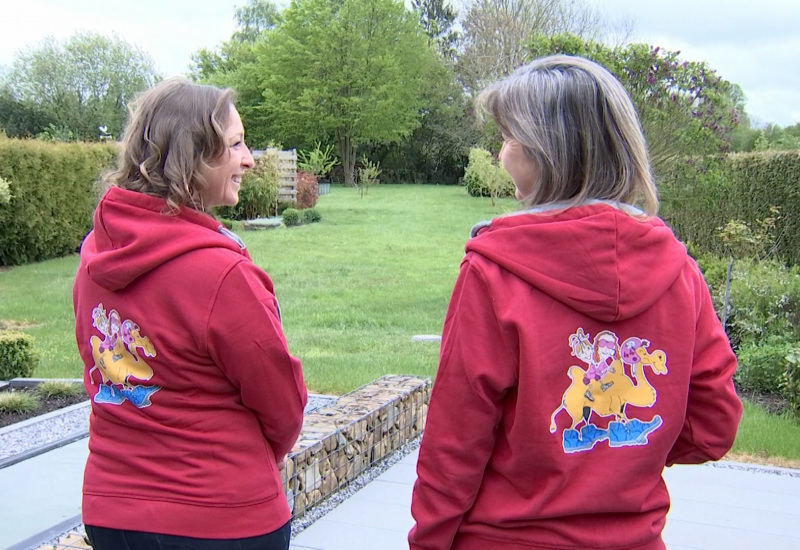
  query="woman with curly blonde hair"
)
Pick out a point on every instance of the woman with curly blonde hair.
point(196, 400)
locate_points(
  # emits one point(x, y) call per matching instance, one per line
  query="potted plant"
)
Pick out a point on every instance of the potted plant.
point(318, 161)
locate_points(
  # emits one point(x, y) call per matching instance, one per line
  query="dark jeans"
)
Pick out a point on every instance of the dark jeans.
point(102, 538)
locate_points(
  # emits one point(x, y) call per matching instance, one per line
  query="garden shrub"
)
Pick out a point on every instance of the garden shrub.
point(52, 192)
point(292, 217)
point(764, 301)
point(485, 178)
point(258, 193)
point(18, 357)
point(307, 189)
point(762, 365)
point(790, 384)
point(311, 215)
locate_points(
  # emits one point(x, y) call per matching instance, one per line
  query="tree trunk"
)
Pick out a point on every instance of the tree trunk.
point(347, 152)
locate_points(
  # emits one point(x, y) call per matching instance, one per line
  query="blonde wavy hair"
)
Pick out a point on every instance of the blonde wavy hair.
point(577, 123)
point(175, 133)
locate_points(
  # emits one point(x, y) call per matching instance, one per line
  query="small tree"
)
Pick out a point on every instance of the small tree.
point(318, 161)
point(367, 175)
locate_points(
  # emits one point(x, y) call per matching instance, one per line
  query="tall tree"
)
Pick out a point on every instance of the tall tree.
point(233, 65)
point(83, 83)
point(438, 18)
point(495, 34)
point(349, 72)
point(255, 18)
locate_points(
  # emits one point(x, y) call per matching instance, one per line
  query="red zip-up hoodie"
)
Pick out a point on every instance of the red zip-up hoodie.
point(194, 394)
point(581, 354)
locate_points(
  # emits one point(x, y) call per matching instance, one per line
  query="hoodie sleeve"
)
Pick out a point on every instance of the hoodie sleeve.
point(246, 340)
point(475, 371)
point(713, 409)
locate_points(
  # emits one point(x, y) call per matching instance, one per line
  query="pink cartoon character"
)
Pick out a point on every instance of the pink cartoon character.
point(629, 350)
point(114, 323)
point(606, 350)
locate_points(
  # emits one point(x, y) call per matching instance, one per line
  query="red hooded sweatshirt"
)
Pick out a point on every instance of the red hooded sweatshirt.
point(580, 355)
point(194, 394)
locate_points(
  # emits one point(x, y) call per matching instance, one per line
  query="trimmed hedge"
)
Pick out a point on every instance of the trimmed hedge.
point(705, 194)
point(53, 188)
point(18, 357)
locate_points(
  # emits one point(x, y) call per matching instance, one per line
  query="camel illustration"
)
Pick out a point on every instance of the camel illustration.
point(610, 395)
point(116, 356)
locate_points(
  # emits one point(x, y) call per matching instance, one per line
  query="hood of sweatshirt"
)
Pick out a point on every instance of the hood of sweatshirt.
point(134, 233)
point(594, 258)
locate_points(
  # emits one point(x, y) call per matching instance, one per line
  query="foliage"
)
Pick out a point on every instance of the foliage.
point(684, 107)
point(254, 19)
point(367, 175)
point(58, 388)
point(757, 191)
point(22, 119)
point(258, 193)
point(438, 18)
point(311, 215)
point(762, 365)
point(78, 85)
point(318, 161)
point(292, 217)
point(53, 195)
point(764, 301)
point(790, 383)
point(350, 71)
point(770, 138)
point(18, 356)
point(744, 241)
point(307, 189)
point(438, 149)
point(496, 32)
point(484, 177)
point(5, 191)
point(18, 402)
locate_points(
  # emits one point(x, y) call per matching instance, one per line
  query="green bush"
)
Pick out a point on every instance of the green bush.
point(485, 178)
point(18, 357)
point(790, 384)
point(762, 365)
point(764, 301)
point(258, 193)
point(311, 215)
point(51, 195)
point(292, 217)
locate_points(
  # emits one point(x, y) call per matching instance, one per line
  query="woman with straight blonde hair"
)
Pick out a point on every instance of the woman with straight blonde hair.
point(581, 353)
point(196, 400)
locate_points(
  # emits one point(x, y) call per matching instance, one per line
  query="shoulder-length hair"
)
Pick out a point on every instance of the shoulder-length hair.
point(577, 123)
point(175, 132)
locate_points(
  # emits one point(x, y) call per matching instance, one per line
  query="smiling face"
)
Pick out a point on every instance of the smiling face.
point(521, 168)
point(225, 176)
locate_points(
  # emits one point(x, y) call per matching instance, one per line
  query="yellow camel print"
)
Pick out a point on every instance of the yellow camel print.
point(609, 395)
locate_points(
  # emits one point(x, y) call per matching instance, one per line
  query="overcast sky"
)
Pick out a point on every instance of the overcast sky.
point(753, 43)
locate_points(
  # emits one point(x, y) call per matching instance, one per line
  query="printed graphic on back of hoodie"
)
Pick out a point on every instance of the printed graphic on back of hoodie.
point(604, 389)
point(118, 359)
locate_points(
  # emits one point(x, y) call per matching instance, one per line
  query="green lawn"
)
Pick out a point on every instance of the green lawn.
point(353, 288)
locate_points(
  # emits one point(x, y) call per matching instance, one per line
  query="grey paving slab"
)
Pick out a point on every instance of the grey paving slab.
point(41, 492)
point(714, 507)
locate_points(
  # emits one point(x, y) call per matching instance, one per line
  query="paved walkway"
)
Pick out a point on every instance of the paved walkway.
point(726, 506)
